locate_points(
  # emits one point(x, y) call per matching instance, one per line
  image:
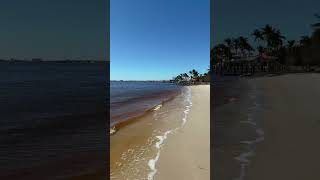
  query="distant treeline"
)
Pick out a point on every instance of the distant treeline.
point(193, 77)
point(269, 41)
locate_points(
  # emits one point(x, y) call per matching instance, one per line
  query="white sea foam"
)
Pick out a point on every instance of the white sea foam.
point(152, 162)
point(161, 139)
point(188, 107)
point(244, 158)
point(113, 130)
point(157, 107)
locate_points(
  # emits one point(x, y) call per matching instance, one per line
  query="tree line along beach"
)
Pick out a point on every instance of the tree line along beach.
point(264, 110)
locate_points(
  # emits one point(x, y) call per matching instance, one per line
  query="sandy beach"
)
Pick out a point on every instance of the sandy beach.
point(291, 121)
point(268, 128)
point(186, 154)
point(170, 142)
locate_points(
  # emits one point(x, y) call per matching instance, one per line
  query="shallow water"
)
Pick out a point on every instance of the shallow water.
point(237, 127)
point(130, 99)
point(136, 148)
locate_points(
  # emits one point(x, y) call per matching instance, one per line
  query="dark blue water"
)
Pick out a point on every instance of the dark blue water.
point(133, 98)
point(53, 119)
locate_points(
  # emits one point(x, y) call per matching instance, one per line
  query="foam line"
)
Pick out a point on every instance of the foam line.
point(244, 158)
point(152, 162)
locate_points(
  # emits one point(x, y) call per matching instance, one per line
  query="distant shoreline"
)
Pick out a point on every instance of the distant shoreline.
point(163, 81)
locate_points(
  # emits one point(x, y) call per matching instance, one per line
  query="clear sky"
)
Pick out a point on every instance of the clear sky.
point(233, 18)
point(53, 29)
point(158, 39)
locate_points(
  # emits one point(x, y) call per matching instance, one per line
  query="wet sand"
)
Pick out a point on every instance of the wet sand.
point(137, 147)
point(186, 153)
point(291, 122)
point(267, 128)
point(231, 107)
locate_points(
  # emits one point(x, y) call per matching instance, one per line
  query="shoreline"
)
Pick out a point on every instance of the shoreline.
point(116, 126)
point(291, 123)
point(269, 128)
point(133, 147)
point(186, 154)
point(232, 127)
point(125, 122)
point(138, 149)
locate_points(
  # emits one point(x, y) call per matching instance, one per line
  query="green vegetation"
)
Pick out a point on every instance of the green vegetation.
point(269, 41)
point(193, 78)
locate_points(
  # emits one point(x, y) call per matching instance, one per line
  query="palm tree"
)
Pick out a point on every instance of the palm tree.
point(244, 46)
point(277, 39)
point(272, 37)
point(185, 76)
point(178, 78)
point(267, 30)
point(258, 36)
point(194, 74)
point(267, 33)
point(220, 53)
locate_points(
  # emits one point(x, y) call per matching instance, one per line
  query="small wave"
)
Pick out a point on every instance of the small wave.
point(188, 107)
point(113, 130)
point(244, 158)
point(152, 162)
point(157, 107)
point(127, 118)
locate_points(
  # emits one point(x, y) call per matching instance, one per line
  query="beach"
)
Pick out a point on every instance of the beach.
point(186, 155)
point(167, 142)
point(267, 128)
point(291, 122)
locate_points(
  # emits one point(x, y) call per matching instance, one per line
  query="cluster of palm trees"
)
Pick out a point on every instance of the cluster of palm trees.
point(232, 47)
point(193, 76)
point(269, 40)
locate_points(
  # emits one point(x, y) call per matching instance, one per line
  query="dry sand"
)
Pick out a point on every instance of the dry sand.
point(186, 154)
point(291, 121)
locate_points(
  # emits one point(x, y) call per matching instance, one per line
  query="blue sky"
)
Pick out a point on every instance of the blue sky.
point(158, 39)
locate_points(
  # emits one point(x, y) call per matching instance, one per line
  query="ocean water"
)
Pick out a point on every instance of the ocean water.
point(53, 120)
point(129, 99)
point(136, 149)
